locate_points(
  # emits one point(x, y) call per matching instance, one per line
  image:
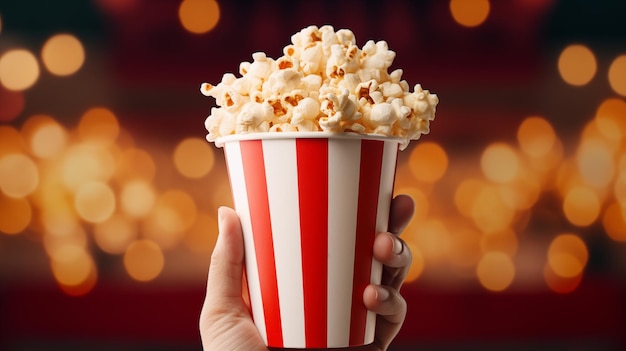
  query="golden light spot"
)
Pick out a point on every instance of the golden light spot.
point(174, 213)
point(523, 192)
point(11, 141)
point(144, 260)
point(63, 54)
point(99, 124)
point(577, 65)
point(581, 206)
point(60, 221)
point(193, 158)
point(19, 69)
point(15, 214)
point(490, 213)
point(495, 271)
point(115, 234)
point(614, 223)
point(617, 75)
point(504, 241)
point(417, 264)
point(499, 163)
point(135, 164)
point(567, 255)
point(610, 120)
point(470, 13)
point(94, 201)
point(86, 162)
point(85, 286)
point(559, 284)
point(45, 136)
point(199, 16)
point(431, 237)
point(56, 245)
point(595, 163)
point(536, 136)
point(71, 265)
point(19, 175)
point(428, 162)
point(465, 195)
point(202, 234)
point(137, 198)
point(11, 104)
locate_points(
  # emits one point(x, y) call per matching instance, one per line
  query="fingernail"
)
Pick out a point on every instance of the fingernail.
point(220, 219)
point(398, 246)
point(382, 294)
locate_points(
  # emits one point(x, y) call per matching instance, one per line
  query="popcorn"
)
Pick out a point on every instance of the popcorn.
point(323, 82)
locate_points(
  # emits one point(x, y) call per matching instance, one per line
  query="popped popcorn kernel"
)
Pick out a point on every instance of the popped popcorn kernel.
point(323, 82)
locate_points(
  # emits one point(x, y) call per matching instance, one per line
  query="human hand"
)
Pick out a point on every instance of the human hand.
point(225, 320)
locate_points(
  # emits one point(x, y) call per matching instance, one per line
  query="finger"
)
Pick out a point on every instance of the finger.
point(396, 258)
point(401, 212)
point(226, 269)
point(391, 309)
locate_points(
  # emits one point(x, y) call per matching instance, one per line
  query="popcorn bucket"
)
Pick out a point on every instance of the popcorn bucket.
point(310, 205)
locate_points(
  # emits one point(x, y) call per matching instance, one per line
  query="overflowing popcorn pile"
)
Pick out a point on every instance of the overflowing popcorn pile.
point(323, 82)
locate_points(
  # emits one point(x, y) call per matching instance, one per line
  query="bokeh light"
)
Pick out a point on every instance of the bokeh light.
point(617, 75)
point(559, 284)
point(137, 198)
point(74, 269)
point(86, 162)
point(15, 214)
point(428, 162)
point(11, 141)
point(115, 234)
point(193, 157)
point(495, 271)
point(581, 206)
point(465, 195)
point(499, 163)
point(199, 16)
point(173, 214)
point(577, 64)
point(45, 136)
point(595, 163)
point(99, 124)
point(19, 69)
point(135, 164)
point(144, 260)
point(614, 223)
point(504, 241)
point(489, 211)
point(567, 255)
point(470, 13)
point(610, 120)
point(63, 54)
point(19, 175)
point(95, 201)
point(536, 136)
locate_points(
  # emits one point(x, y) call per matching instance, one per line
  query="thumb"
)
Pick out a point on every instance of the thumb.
point(226, 269)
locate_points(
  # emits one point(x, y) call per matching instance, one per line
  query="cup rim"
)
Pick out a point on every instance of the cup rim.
point(219, 142)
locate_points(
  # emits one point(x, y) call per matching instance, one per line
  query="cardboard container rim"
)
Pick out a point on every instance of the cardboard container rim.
point(219, 142)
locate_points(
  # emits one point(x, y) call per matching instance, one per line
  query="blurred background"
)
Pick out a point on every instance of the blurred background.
point(108, 190)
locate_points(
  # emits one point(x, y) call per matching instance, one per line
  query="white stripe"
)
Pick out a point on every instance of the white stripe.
point(282, 190)
point(343, 194)
point(390, 153)
point(240, 199)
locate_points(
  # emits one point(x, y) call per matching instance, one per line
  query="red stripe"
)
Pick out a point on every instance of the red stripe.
point(312, 155)
point(369, 185)
point(256, 187)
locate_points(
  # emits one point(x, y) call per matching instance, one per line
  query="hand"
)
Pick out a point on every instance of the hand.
point(225, 321)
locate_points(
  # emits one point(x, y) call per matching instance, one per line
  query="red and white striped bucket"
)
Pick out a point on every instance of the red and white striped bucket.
point(310, 205)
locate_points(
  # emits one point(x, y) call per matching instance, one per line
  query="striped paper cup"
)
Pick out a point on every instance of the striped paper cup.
point(310, 205)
